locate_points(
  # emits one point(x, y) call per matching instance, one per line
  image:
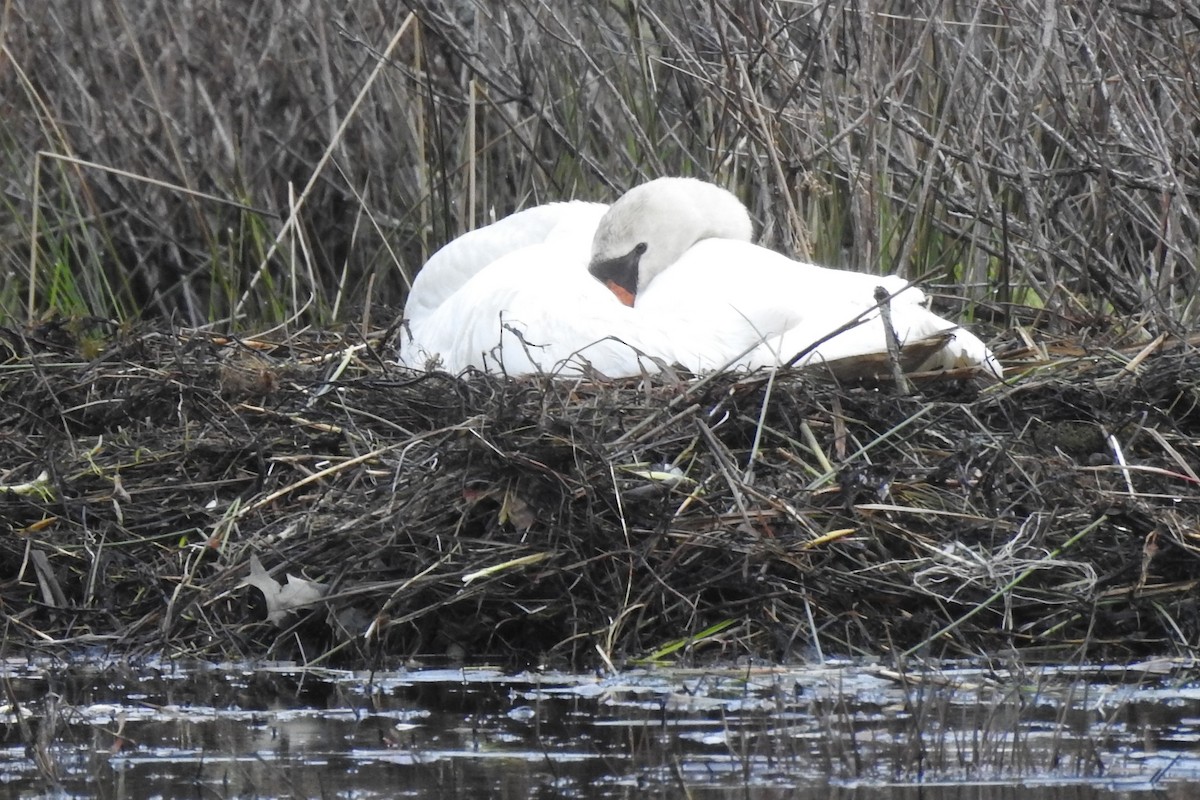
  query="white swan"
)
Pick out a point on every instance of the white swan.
point(516, 297)
point(685, 285)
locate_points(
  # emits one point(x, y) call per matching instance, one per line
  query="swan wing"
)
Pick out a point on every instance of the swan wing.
point(911, 323)
point(737, 301)
point(536, 310)
point(449, 269)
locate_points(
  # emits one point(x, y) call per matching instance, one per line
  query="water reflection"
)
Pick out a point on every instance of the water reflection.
point(849, 732)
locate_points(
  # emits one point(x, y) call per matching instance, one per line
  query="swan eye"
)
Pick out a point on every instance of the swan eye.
point(640, 249)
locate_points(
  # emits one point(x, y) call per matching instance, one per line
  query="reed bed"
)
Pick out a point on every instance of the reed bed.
point(584, 522)
point(257, 162)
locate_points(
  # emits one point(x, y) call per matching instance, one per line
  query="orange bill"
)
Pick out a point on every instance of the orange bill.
point(623, 294)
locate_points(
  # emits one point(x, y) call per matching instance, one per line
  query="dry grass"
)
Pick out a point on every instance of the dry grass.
point(1032, 153)
point(583, 523)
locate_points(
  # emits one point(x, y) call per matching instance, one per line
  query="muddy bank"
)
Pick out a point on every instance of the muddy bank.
point(578, 522)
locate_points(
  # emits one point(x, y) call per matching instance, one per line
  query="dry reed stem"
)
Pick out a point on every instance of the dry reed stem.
point(1037, 153)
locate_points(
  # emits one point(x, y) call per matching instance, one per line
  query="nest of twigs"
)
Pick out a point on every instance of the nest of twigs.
point(579, 522)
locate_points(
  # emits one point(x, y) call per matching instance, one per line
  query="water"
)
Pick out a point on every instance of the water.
point(845, 731)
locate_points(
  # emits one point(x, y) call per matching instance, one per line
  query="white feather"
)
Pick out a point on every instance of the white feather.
point(517, 297)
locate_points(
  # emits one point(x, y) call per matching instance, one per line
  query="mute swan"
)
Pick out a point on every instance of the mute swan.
point(667, 272)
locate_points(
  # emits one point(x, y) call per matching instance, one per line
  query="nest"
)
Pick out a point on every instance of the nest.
point(174, 492)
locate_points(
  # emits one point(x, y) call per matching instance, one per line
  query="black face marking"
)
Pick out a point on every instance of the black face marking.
point(622, 270)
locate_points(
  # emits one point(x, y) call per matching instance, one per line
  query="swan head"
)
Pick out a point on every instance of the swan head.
point(653, 224)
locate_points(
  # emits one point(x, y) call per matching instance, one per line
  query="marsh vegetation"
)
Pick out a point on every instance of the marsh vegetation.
point(215, 209)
